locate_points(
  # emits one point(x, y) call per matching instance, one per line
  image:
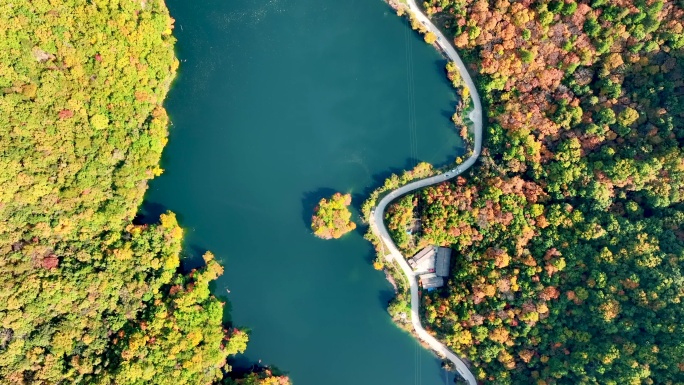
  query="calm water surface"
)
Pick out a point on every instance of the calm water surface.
point(279, 103)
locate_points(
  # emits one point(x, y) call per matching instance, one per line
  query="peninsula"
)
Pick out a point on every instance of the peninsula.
point(568, 234)
point(377, 224)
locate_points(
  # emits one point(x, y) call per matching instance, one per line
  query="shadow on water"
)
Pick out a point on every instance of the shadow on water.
point(440, 65)
point(219, 291)
point(379, 179)
point(385, 296)
point(370, 256)
point(449, 376)
point(192, 257)
point(447, 114)
point(149, 213)
point(357, 201)
point(241, 365)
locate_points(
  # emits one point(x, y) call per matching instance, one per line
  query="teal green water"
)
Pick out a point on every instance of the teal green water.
point(277, 104)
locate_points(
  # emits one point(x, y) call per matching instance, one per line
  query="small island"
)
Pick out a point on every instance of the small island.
point(332, 218)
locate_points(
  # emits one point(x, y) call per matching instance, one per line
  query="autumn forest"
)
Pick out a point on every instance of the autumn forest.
point(568, 232)
point(88, 296)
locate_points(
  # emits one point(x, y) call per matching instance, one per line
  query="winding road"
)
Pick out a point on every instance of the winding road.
point(377, 224)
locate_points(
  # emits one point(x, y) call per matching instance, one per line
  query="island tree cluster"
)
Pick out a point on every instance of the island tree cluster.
point(332, 218)
point(569, 230)
point(86, 296)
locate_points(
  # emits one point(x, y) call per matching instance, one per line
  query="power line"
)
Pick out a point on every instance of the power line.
point(410, 94)
point(413, 104)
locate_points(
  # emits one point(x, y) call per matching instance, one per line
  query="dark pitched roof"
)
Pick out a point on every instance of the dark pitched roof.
point(425, 253)
point(442, 261)
point(429, 281)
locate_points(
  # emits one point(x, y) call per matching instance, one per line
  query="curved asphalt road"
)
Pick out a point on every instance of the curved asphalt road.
point(377, 224)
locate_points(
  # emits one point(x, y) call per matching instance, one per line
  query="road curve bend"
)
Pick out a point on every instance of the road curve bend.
point(377, 223)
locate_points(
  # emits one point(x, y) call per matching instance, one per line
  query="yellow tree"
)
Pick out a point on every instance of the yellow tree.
point(430, 38)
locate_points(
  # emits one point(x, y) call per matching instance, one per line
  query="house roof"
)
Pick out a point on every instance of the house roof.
point(442, 261)
point(425, 253)
point(431, 280)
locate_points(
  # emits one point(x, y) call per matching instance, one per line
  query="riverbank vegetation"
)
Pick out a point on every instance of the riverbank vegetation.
point(422, 170)
point(87, 296)
point(394, 181)
point(399, 307)
point(332, 218)
point(259, 377)
point(569, 232)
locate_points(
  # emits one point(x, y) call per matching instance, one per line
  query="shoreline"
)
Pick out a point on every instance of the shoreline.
point(398, 6)
point(405, 325)
point(392, 281)
point(380, 235)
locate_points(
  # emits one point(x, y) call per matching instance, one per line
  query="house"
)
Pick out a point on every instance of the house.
point(431, 281)
point(424, 260)
point(442, 261)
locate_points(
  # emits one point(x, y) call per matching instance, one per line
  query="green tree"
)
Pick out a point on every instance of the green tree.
point(332, 218)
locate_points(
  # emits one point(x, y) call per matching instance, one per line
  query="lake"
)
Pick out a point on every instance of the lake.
point(279, 103)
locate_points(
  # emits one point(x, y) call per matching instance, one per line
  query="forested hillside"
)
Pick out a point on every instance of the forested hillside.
point(569, 232)
point(85, 295)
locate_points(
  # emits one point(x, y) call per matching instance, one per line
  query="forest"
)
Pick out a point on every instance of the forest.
point(86, 294)
point(332, 218)
point(568, 235)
